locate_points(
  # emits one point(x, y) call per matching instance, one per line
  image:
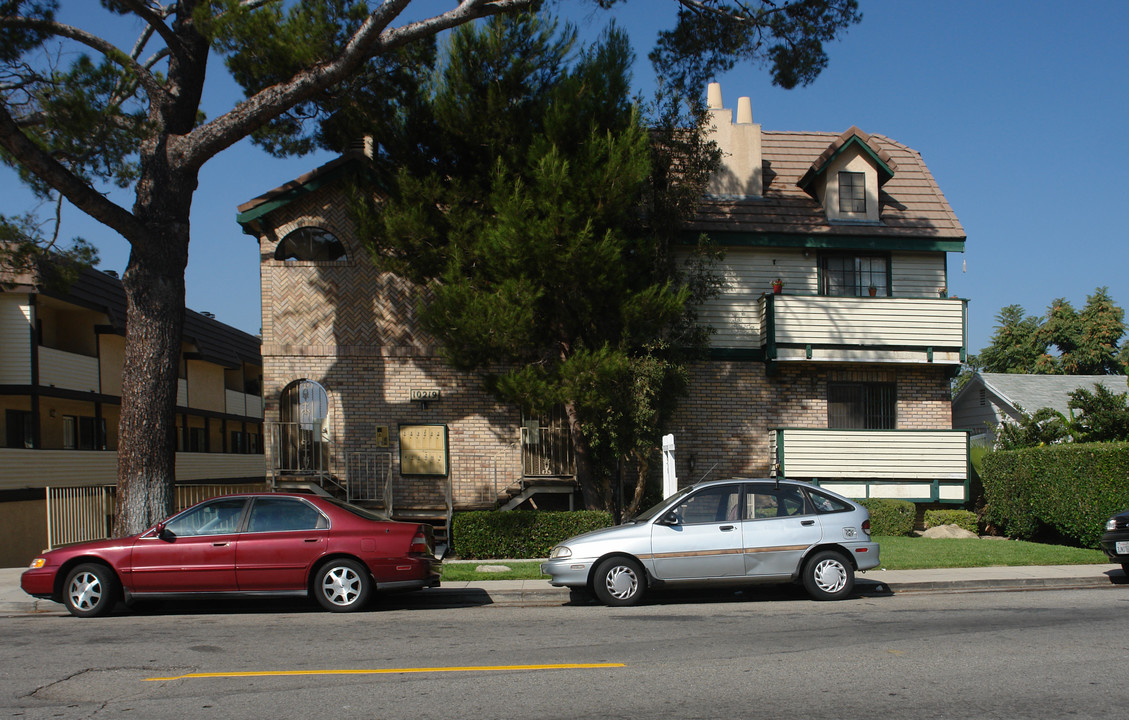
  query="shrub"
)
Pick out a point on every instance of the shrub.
point(520, 533)
point(965, 519)
point(890, 517)
point(1064, 492)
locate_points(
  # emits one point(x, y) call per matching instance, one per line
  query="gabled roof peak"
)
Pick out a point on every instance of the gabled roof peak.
point(852, 137)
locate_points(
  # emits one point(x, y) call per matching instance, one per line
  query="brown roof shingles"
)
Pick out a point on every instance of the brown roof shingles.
point(912, 203)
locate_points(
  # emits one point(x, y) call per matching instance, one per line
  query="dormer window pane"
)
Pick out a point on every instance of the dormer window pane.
point(852, 192)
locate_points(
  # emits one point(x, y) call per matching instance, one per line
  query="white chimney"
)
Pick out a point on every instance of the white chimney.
point(740, 174)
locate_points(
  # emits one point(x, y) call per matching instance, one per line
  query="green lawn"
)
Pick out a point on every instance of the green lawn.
point(914, 553)
point(898, 553)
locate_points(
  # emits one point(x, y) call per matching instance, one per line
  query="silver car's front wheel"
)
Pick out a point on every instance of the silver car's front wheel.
point(342, 586)
point(829, 576)
point(619, 582)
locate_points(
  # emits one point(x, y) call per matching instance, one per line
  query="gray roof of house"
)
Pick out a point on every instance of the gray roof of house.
point(1033, 392)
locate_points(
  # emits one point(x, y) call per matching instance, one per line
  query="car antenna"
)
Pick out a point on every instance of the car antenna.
point(707, 472)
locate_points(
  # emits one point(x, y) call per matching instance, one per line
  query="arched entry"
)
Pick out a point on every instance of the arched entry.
point(300, 445)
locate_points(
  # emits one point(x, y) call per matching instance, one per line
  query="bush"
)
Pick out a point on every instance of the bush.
point(520, 533)
point(1060, 492)
point(890, 517)
point(965, 519)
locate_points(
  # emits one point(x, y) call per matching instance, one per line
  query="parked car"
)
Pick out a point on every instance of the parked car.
point(725, 532)
point(1115, 541)
point(259, 544)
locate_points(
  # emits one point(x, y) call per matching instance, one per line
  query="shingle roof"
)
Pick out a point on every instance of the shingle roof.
point(1034, 392)
point(214, 341)
point(912, 205)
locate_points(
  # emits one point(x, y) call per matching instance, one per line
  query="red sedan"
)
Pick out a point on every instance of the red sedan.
point(260, 544)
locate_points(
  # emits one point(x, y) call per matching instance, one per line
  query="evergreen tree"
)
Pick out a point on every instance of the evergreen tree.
point(544, 272)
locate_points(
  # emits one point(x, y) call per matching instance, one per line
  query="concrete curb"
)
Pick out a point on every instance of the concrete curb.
point(13, 601)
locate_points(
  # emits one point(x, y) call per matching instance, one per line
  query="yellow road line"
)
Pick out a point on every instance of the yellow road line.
point(387, 671)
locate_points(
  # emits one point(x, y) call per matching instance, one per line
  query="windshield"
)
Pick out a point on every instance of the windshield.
point(658, 508)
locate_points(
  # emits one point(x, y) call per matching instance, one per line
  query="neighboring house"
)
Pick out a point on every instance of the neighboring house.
point(61, 354)
point(989, 399)
point(842, 378)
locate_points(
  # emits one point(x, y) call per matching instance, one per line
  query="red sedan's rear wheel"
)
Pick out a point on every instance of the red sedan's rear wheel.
point(343, 585)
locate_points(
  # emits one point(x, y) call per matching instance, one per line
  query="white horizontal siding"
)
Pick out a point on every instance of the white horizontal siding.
point(21, 468)
point(235, 402)
point(869, 322)
point(876, 454)
point(67, 370)
point(917, 274)
point(15, 339)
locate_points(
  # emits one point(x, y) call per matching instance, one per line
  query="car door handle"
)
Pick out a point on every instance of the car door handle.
point(727, 528)
point(312, 540)
point(219, 544)
point(806, 523)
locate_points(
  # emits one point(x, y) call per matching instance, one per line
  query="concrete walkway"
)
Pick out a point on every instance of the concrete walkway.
point(14, 601)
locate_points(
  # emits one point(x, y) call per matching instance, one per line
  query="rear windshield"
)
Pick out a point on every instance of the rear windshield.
point(358, 511)
point(826, 503)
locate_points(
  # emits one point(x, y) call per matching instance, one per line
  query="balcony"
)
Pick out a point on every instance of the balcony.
point(814, 328)
point(238, 403)
point(917, 465)
point(67, 370)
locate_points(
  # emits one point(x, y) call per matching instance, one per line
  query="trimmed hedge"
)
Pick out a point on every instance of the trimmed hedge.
point(965, 519)
point(519, 533)
point(890, 517)
point(1060, 492)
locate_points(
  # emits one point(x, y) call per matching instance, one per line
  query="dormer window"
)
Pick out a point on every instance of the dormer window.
point(852, 192)
point(310, 243)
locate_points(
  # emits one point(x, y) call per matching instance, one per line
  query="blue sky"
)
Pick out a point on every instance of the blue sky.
point(1018, 107)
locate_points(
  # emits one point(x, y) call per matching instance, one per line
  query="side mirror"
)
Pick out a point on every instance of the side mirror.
point(671, 518)
point(161, 532)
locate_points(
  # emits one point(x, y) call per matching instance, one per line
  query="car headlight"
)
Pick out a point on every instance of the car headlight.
point(37, 563)
point(560, 551)
point(1111, 524)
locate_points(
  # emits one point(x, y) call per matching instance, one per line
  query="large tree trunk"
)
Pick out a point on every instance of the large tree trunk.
point(154, 288)
point(595, 495)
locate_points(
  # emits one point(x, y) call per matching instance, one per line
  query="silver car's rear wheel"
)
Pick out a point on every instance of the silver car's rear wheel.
point(342, 585)
point(619, 582)
point(829, 576)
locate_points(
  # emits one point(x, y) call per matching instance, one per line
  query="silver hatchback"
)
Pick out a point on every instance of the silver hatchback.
point(725, 532)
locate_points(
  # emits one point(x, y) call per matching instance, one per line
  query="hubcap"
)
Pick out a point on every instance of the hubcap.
point(621, 582)
point(830, 576)
point(85, 591)
point(341, 586)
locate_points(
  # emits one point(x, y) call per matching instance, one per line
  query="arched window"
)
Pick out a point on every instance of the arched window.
point(310, 243)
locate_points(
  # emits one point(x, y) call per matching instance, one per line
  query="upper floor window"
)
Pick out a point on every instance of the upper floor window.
point(853, 275)
point(852, 192)
point(310, 243)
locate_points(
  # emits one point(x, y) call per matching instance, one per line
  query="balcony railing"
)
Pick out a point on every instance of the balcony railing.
point(855, 329)
point(919, 465)
point(67, 370)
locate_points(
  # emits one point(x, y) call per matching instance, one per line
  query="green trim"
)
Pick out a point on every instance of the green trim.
point(850, 142)
point(836, 242)
point(770, 327)
point(862, 430)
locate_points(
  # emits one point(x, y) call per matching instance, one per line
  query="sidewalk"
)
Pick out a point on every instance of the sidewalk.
point(14, 601)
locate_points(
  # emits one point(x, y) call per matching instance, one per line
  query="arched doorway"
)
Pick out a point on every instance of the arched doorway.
point(301, 445)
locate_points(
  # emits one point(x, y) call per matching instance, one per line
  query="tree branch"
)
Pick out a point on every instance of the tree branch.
point(370, 40)
point(77, 191)
point(108, 50)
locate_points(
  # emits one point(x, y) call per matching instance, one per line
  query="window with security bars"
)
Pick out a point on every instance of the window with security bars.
point(850, 275)
point(852, 192)
point(865, 406)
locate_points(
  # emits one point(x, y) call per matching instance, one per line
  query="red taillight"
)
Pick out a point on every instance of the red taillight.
point(421, 543)
point(866, 527)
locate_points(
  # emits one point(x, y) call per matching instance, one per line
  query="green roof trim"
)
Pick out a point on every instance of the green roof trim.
point(280, 198)
point(885, 172)
point(831, 242)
